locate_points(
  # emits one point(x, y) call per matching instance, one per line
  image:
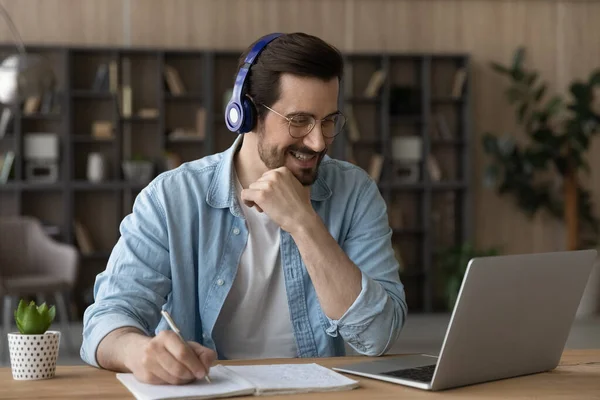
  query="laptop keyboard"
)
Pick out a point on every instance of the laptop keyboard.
point(421, 374)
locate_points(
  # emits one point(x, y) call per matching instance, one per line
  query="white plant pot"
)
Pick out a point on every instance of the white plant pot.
point(33, 357)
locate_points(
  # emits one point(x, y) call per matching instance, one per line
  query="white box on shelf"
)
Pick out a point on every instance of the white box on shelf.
point(41, 146)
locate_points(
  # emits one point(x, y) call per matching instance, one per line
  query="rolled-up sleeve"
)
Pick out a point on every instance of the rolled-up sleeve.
point(374, 321)
point(137, 280)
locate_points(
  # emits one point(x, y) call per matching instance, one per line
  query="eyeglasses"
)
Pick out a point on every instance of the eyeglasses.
point(302, 124)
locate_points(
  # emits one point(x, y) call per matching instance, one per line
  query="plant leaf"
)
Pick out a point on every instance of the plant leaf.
point(522, 111)
point(595, 78)
point(539, 93)
point(500, 68)
point(51, 315)
point(531, 78)
point(553, 105)
point(518, 58)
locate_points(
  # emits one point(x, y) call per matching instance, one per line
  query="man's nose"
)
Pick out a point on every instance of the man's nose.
point(315, 139)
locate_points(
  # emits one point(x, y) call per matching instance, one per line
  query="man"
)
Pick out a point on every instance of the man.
point(269, 249)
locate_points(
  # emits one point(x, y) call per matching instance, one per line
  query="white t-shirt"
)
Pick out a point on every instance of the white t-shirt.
point(255, 319)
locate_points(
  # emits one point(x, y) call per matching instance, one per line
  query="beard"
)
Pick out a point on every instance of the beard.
point(274, 158)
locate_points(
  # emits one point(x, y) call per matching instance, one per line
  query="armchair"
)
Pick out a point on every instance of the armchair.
point(33, 263)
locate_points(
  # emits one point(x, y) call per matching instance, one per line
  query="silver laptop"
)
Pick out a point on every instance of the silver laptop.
point(512, 317)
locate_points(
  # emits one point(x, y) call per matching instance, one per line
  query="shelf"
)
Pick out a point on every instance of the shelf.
point(405, 119)
point(138, 119)
point(93, 95)
point(99, 256)
point(448, 142)
point(440, 186)
point(42, 117)
point(446, 100)
point(9, 186)
point(448, 185)
point(29, 186)
point(363, 100)
point(367, 142)
point(91, 139)
point(185, 140)
point(108, 185)
point(184, 97)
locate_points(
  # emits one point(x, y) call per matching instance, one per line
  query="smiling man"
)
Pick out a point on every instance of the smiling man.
point(269, 249)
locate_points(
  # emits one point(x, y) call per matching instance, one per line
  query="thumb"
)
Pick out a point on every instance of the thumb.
point(206, 355)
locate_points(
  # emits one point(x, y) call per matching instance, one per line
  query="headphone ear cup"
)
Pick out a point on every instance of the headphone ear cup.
point(249, 115)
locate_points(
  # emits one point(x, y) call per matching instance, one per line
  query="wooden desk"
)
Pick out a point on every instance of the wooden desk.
point(578, 376)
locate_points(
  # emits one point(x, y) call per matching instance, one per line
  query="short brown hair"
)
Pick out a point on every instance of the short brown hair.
point(295, 53)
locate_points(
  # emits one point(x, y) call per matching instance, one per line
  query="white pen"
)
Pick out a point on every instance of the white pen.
point(176, 330)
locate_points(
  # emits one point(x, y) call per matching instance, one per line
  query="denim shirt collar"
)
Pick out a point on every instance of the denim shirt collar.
point(221, 192)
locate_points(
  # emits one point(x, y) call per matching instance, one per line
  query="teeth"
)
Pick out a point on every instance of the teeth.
point(302, 157)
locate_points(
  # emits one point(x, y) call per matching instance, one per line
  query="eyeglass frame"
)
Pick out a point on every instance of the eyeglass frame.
point(289, 120)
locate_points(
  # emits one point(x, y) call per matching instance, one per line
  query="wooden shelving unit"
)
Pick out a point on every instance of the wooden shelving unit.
point(425, 204)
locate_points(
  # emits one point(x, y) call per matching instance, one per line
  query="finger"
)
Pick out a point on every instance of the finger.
point(170, 368)
point(206, 355)
point(188, 364)
point(265, 185)
point(164, 375)
point(253, 204)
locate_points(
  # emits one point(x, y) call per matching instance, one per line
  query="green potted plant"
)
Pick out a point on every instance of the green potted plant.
point(452, 263)
point(542, 169)
point(34, 349)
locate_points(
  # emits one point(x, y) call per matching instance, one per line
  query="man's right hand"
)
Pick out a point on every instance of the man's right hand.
point(162, 359)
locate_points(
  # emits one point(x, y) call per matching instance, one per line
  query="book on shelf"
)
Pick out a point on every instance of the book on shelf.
point(83, 238)
point(173, 80)
point(433, 168)
point(375, 84)
point(127, 105)
point(5, 121)
point(113, 77)
point(460, 77)
point(101, 78)
point(376, 166)
point(6, 163)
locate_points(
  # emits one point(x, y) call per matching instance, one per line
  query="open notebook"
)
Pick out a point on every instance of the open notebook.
point(245, 380)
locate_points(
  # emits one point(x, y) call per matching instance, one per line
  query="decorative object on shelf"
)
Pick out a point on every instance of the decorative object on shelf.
point(102, 130)
point(84, 241)
point(172, 160)
point(41, 157)
point(148, 113)
point(34, 349)
point(407, 153)
point(544, 173)
point(6, 163)
point(96, 167)
point(375, 84)
point(452, 262)
point(407, 149)
point(173, 80)
point(138, 170)
point(23, 74)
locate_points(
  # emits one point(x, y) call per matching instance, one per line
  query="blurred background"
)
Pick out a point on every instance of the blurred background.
point(478, 119)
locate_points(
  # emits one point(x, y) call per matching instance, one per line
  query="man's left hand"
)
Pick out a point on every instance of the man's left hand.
point(281, 196)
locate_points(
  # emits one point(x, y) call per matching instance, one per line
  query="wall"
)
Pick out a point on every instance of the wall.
point(562, 37)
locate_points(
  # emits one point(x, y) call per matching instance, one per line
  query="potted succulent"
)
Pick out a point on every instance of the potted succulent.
point(34, 349)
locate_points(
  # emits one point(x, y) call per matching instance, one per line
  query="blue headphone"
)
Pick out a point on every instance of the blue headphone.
point(240, 114)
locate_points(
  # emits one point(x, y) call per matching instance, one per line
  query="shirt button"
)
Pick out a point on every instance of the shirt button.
point(220, 282)
point(236, 231)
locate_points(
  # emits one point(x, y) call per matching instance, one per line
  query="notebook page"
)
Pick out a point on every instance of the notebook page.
point(293, 378)
point(224, 384)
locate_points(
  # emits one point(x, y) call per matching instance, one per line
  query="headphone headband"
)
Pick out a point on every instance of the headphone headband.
point(238, 113)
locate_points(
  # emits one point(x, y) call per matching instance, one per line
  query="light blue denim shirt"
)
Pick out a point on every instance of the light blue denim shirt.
point(179, 250)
